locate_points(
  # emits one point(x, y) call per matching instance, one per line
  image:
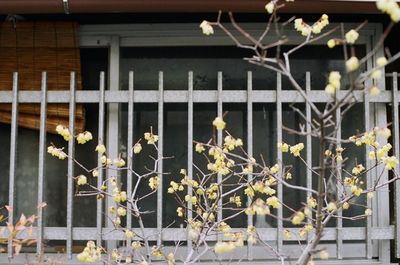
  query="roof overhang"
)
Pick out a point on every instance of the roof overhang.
point(134, 6)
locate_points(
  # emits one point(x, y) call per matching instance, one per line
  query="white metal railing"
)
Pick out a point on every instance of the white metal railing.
point(366, 242)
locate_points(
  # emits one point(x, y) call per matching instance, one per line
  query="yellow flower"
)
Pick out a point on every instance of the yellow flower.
point(390, 162)
point(370, 195)
point(64, 132)
point(95, 173)
point(357, 170)
point(346, 205)
point(284, 147)
point(352, 64)
point(81, 180)
point(123, 196)
point(219, 123)
point(295, 150)
point(121, 211)
point(200, 148)
point(323, 254)
point(287, 234)
point(331, 207)
point(351, 36)
point(330, 90)
point(376, 74)
point(224, 247)
point(154, 182)
point(84, 137)
point(273, 202)
point(381, 61)
point(356, 190)
point(119, 162)
point(331, 43)
point(334, 79)
point(136, 245)
point(206, 28)
point(137, 148)
point(129, 233)
point(115, 255)
point(150, 138)
point(368, 212)
point(105, 161)
point(274, 169)
point(297, 218)
point(374, 91)
point(101, 149)
point(270, 7)
point(311, 202)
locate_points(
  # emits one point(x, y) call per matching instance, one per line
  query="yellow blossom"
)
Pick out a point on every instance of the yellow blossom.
point(376, 74)
point(346, 205)
point(136, 245)
point(331, 207)
point(273, 202)
point(129, 233)
point(374, 91)
point(81, 180)
point(390, 162)
point(119, 162)
point(95, 173)
point(351, 36)
point(295, 150)
point(224, 247)
point(270, 7)
point(370, 195)
point(101, 149)
point(287, 234)
point(154, 182)
point(331, 43)
point(352, 64)
point(381, 61)
point(64, 132)
point(137, 148)
point(368, 212)
point(284, 147)
point(200, 148)
point(219, 123)
point(297, 218)
point(84, 137)
point(121, 211)
point(357, 170)
point(150, 138)
point(311, 202)
point(274, 169)
point(179, 211)
point(206, 28)
point(323, 254)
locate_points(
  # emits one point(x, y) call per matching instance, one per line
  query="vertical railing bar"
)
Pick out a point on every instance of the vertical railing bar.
point(309, 148)
point(396, 152)
point(71, 154)
point(249, 148)
point(339, 233)
point(368, 178)
point(99, 207)
point(129, 182)
point(113, 128)
point(279, 156)
point(219, 138)
point(190, 148)
point(160, 153)
point(41, 170)
point(13, 155)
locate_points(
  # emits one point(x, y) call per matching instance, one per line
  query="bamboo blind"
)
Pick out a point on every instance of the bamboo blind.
point(30, 48)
